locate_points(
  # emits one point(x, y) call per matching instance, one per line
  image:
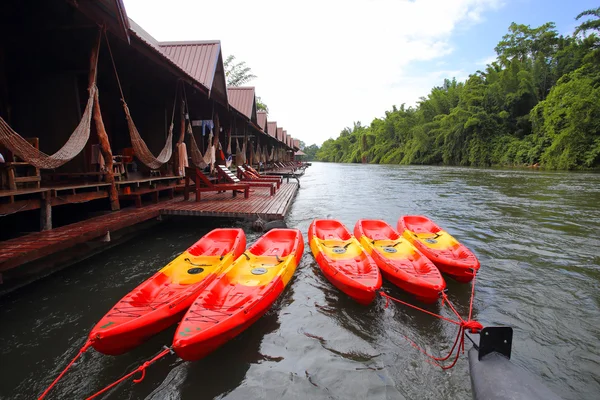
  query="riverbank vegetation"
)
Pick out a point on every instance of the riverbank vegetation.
point(537, 104)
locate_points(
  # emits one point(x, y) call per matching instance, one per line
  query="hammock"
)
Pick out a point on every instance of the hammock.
point(257, 154)
point(197, 157)
point(240, 155)
point(228, 155)
point(272, 153)
point(140, 149)
point(76, 142)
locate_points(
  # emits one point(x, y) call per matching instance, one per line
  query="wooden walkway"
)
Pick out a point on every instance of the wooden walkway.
point(34, 246)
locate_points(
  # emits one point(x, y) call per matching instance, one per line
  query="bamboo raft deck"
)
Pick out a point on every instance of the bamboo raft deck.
point(34, 246)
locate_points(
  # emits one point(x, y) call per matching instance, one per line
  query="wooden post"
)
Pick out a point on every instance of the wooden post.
point(181, 138)
point(245, 144)
point(106, 151)
point(45, 212)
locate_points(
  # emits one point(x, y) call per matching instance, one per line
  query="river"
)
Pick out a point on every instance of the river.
point(535, 234)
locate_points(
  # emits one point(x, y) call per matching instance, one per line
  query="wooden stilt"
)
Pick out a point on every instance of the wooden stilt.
point(45, 212)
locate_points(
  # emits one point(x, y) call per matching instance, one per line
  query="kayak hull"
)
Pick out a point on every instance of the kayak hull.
point(399, 261)
point(448, 254)
point(247, 290)
point(343, 261)
point(161, 300)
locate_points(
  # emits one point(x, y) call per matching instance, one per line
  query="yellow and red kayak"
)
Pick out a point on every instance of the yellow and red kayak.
point(343, 260)
point(447, 253)
point(160, 301)
point(241, 296)
point(399, 261)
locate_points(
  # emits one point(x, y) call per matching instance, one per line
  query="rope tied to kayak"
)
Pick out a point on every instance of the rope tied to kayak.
point(86, 346)
point(469, 325)
point(141, 368)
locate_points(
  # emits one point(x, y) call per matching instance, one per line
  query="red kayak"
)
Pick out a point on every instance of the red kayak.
point(343, 260)
point(244, 293)
point(450, 256)
point(160, 301)
point(400, 262)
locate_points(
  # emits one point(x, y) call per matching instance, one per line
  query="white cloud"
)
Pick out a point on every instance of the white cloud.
point(322, 64)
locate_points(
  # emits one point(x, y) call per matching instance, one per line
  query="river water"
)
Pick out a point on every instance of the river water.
point(535, 233)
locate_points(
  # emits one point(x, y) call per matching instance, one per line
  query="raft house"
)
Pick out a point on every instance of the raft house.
point(104, 129)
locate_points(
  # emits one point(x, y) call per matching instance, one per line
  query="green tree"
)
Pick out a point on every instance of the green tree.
point(237, 73)
point(592, 24)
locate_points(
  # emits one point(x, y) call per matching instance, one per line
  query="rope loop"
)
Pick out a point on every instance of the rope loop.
point(469, 325)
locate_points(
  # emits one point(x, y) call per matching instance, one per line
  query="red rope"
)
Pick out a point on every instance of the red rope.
point(469, 324)
point(81, 351)
point(141, 368)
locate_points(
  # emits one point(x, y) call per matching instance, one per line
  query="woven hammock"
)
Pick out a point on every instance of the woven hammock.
point(74, 145)
point(228, 156)
point(257, 154)
point(263, 154)
point(240, 155)
point(272, 153)
point(140, 149)
point(209, 156)
point(197, 157)
point(77, 141)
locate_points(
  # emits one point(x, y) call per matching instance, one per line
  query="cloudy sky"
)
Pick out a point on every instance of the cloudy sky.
point(321, 65)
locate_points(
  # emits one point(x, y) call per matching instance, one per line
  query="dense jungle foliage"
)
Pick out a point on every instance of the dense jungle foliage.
point(538, 103)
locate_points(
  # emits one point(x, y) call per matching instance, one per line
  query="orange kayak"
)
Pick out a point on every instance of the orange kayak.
point(246, 290)
point(160, 301)
point(343, 260)
point(399, 261)
point(447, 253)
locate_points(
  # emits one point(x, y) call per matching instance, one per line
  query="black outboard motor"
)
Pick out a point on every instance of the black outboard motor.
point(495, 377)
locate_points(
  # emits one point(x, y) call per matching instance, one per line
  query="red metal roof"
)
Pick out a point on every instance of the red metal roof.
point(261, 117)
point(243, 100)
point(203, 60)
point(280, 134)
point(154, 45)
point(296, 144)
point(199, 59)
point(272, 128)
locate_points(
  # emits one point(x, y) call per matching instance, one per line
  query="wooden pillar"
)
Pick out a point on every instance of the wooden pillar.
point(46, 211)
point(113, 194)
point(216, 139)
point(181, 138)
point(245, 143)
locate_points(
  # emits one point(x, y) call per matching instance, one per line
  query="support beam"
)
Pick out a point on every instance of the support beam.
point(113, 194)
point(46, 212)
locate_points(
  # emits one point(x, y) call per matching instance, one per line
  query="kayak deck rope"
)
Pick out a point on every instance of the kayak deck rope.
point(86, 346)
point(464, 325)
point(141, 368)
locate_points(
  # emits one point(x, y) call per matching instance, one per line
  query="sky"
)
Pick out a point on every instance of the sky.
point(322, 65)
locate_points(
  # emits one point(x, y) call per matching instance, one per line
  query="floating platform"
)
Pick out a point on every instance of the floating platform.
point(260, 203)
point(35, 246)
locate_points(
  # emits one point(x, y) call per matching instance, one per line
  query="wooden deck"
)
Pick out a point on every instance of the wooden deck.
point(32, 247)
point(260, 203)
